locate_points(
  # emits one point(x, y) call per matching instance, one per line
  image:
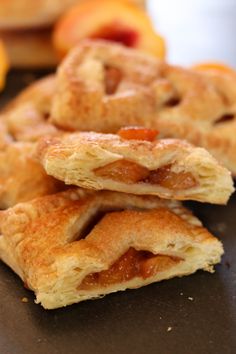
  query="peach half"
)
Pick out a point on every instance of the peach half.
point(114, 20)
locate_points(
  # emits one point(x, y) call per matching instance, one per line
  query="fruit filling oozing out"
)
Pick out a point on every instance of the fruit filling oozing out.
point(125, 171)
point(132, 264)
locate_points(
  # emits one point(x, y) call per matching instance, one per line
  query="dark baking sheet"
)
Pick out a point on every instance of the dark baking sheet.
point(199, 310)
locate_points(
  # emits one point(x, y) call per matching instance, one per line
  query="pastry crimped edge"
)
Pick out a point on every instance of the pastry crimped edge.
point(73, 158)
point(40, 241)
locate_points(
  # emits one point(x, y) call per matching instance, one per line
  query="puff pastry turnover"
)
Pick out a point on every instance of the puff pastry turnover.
point(167, 168)
point(78, 245)
point(21, 176)
point(26, 116)
point(104, 86)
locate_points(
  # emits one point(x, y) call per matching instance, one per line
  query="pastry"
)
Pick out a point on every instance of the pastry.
point(167, 168)
point(21, 176)
point(78, 245)
point(205, 117)
point(16, 14)
point(30, 48)
point(103, 86)
point(26, 116)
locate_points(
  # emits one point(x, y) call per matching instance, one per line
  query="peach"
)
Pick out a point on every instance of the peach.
point(4, 65)
point(115, 20)
point(137, 133)
point(214, 66)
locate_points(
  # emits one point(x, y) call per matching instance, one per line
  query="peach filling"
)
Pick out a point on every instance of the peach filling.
point(132, 264)
point(137, 133)
point(123, 171)
point(113, 77)
point(130, 172)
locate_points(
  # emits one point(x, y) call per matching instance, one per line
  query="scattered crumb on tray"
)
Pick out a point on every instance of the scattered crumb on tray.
point(190, 298)
point(169, 329)
point(24, 299)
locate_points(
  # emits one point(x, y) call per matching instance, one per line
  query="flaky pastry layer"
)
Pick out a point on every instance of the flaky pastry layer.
point(167, 168)
point(66, 247)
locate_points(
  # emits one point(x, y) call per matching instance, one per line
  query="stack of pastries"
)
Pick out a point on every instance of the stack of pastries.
point(94, 171)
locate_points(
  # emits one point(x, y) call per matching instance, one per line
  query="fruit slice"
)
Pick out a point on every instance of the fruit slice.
point(3, 65)
point(138, 133)
point(214, 66)
point(114, 20)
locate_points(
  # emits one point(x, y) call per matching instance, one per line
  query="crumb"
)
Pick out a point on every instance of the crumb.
point(24, 299)
point(181, 294)
point(160, 318)
point(190, 298)
point(169, 329)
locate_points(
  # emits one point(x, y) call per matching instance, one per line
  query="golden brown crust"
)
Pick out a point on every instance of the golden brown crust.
point(75, 159)
point(30, 48)
point(81, 88)
point(15, 14)
point(26, 116)
point(46, 244)
point(180, 103)
point(22, 177)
